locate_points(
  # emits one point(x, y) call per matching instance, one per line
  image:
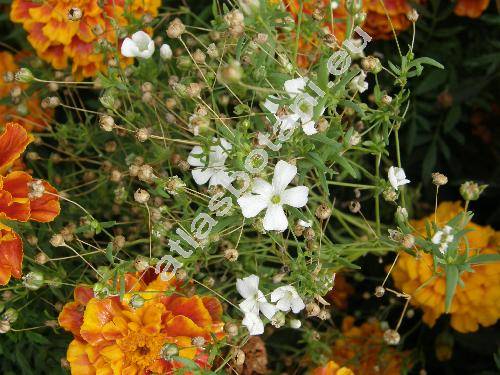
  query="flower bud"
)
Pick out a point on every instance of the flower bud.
point(41, 258)
point(57, 240)
point(386, 99)
point(141, 196)
point(312, 309)
point(412, 15)
point(141, 263)
point(33, 280)
point(24, 75)
point(137, 301)
point(10, 315)
point(401, 214)
point(379, 291)
point(295, 323)
point(4, 326)
point(323, 212)
point(198, 341)
point(471, 191)
point(391, 337)
point(143, 134)
point(389, 194)
point(278, 319)
point(231, 255)
point(371, 64)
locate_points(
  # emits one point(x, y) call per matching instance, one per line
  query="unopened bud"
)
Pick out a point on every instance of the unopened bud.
point(471, 191)
point(176, 28)
point(57, 240)
point(412, 15)
point(24, 75)
point(33, 280)
point(379, 291)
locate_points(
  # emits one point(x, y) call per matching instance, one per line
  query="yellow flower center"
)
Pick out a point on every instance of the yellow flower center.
point(141, 350)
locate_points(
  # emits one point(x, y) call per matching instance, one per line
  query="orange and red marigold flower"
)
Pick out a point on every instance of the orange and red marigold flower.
point(17, 203)
point(112, 337)
point(58, 32)
point(477, 302)
point(362, 350)
point(33, 116)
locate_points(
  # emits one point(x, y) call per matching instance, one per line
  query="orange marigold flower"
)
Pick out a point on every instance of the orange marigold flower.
point(471, 8)
point(478, 302)
point(33, 116)
point(11, 254)
point(113, 337)
point(377, 25)
point(362, 349)
point(69, 29)
point(16, 202)
point(332, 368)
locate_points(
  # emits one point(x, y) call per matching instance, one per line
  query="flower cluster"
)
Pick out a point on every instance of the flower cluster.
point(62, 30)
point(476, 302)
point(22, 198)
point(149, 330)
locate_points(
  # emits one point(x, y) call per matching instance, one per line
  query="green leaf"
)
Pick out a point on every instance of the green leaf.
point(425, 60)
point(109, 253)
point(451, 285)
point(484, 258)
point(452, 118)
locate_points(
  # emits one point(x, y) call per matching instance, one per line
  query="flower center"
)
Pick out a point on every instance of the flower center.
point(276, 199)
point(140, 349)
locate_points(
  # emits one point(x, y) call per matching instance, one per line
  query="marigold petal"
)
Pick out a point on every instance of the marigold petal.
point(47, 207)
point(78, 359)
point(13, 142)
point(97, 314)
point(192, 308)
point(11, 255)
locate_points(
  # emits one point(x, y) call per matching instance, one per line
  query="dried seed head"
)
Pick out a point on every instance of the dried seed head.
point(174, 185)
point(4, 326)
point(146, 173)
point(371, 64)
point(41, 258)
point(389, 194)
point(412, 15)
point(32, 239)
point(322, 125)
point(8, 77)
point(355, 138)
point(309, 234)
point(141, 263)
point(199, 57)
point(323, 212)
point(57, 240)
point(324, 314)
point(239, 357)
point(198, 341)
point(141, 196)
point(116, 176)
point(75, 14)
point(133, 170)
point(379, 291)
point(354, 206)
point(408, 241)
point(147, 87)
point(193, 90)
point(110, 146)
point(51, 323)
point(176, 28)
point(107, 123)
point(231, 329)
point(439, 179)
point(36, 189)
point(231, 255)
point(391, 337)
point(312, 309)
point(386, 99)
point(143, 134)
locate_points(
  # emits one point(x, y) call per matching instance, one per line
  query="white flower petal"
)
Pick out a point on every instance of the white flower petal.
point(277, 294)
point(253, 323)
point(262, 188)
point(202, 175)
point(221, 178)
point(283, 305)
point(141, 39)
point(297, 305)
point(296, 196)
point(195, 158)
point(267, 309)
point(309, 128)
point(270, 105)
point(295, 86)
point(283, 175)
point(251, 205)
point(248, 286)
point(249, 305)
point(129, 49)
point(275, 218)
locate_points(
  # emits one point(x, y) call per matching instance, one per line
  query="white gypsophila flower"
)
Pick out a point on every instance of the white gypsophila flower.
point(397, 177)
point(305, 224)
point(443, 238)
point(303, 105)
point(139, 45)
point(273, 196)
point(165, 52)
point(253, 323)
point(356, 43)
point(213, 171)
point(358, 83)
point(286, 121)
point(287, 298)
point(254, 300)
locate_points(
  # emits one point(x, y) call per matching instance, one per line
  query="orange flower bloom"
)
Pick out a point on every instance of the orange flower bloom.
point(34, 117)
point(332, 368)
point(16, 202)
point(377, 25)
point(478, 302)
point(112, 337)
point(471, 8)
point(56, 38)
point(363, 351)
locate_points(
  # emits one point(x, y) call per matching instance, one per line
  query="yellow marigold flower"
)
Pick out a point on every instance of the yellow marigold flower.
point(128, 337)
point(471, 8)
point(377, 25)
point(69, 29)
point(27, 112)
point(363, 351)
point(478, 302)
point(332, 368)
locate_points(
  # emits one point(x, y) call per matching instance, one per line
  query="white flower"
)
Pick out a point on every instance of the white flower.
point(286, 122)
point(443, 238)
point(287, 299)
point(397, 177)
point(295, 323)
point(358, 83)
point(255, 301)
point(305, 224)
point(140, 45)
point(213, 171)
point(165, 52)
point(302, 106)
point(253, 323)
point(274, 196)
point(295, 86)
